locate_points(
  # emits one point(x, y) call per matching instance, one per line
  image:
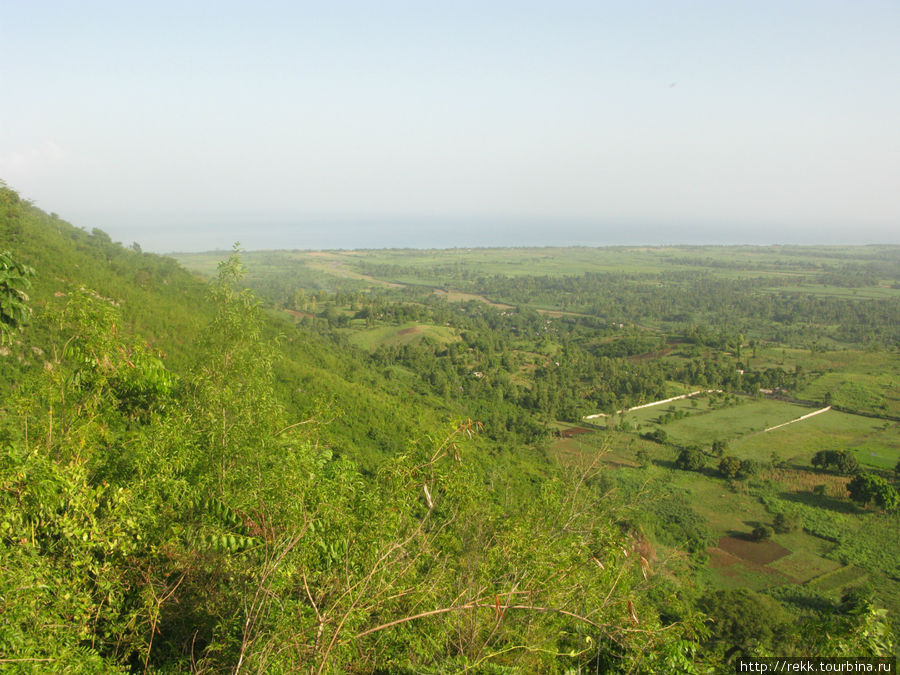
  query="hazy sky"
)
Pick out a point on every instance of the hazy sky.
point(188, 125)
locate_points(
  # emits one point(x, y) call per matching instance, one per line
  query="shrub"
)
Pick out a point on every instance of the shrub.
point(643, 457)
point(730, 466)
point(749, 468)
point(786, 522)
point(762, 533)
point(690, 459)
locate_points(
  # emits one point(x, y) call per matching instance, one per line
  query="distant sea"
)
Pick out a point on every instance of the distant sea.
point(406, 233)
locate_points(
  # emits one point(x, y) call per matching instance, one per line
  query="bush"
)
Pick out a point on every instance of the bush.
point(762, 533)
point(749, 468)
point(657, 435)
point(744, 619)
point(730, 466)
point(643, 458)
point(786, 522)
point(690, 459)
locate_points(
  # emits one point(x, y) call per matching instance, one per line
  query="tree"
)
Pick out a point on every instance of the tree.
point(836, 460)
point(657, 435)
point(742, 620)
point(822, 459)
point(846, 463)
point(761, 533)
point(690, 458)
point(730, 466)
point(719, 447)
point(869, 488)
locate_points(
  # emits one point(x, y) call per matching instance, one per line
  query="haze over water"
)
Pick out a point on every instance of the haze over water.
point(358, 124)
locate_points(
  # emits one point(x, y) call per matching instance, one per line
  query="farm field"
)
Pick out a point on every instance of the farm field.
point(403, 334)
point(834, 550)
point(873, 441)
point(726, 424)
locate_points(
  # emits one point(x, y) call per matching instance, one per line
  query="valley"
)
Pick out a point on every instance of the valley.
point(546, 346)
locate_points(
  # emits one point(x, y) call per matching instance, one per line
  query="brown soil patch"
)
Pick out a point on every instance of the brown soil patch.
point(759, 552)
point(721, 560)
point(575, 431)
point(459, 296)
point(557, 313)
point(407, 331)
point(299, 315)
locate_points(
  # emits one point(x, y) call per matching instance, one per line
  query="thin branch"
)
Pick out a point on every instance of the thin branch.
point(476, 605)
point(295, 424)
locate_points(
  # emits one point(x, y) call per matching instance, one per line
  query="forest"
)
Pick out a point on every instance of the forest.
point(467, 460)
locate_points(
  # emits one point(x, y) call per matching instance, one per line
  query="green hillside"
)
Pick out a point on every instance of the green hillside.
point(180, 489)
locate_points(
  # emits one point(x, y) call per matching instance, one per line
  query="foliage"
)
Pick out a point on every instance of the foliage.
point(187, 520)
point(192, 480)
point(839, 460)
point(869, 488)
point(657, 435)
point(784, 523)
point(14, 310)
point(749, 468)
point(761, 533)
point(730, 466)
point(744, 621)
point(690, 458)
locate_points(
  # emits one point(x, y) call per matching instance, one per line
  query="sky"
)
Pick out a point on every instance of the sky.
point(186, 126)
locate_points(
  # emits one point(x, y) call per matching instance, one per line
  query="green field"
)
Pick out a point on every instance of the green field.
point(705, 426)
point(873, 441)
point(791, 269)
point(404, 334)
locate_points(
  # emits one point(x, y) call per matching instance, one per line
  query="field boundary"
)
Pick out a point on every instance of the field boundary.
point(648, 405)
point(799, 419)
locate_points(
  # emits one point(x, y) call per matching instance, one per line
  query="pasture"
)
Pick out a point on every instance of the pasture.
point(403, 334)
point(703, 425)
point(873, 441)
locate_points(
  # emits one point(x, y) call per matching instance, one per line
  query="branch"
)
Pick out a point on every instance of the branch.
point(475, 605)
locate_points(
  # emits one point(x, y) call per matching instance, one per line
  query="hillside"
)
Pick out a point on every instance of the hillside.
point(162, 511)
point(158, 300)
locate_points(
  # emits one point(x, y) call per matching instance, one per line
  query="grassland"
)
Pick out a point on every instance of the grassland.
point(403, 334)
point(798, 268)
point(873, 441)
point(703, 425)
